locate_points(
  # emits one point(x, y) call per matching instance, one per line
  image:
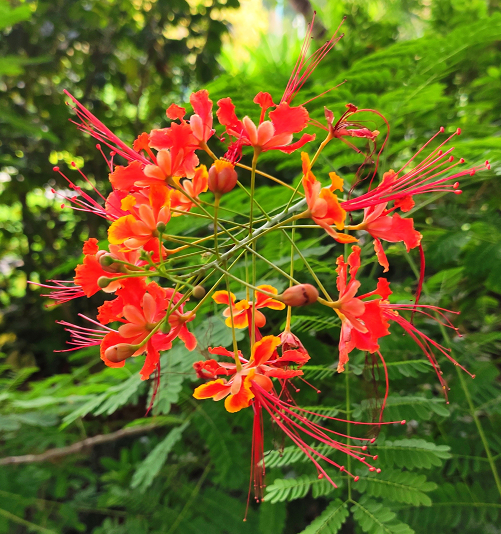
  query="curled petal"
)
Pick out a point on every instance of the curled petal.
point(263, 350)
point(235, 403)
point(221, 297)
point(125, 177)
point(209, 390)
point(380, 255)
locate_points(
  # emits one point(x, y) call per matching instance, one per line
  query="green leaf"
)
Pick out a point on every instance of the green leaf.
point(272, 518)
point(153, 463)
point(330, 520)
point(398, 486)
point(312, 323)
point(407, 407)
point(411, 453)
point(115, 397)
point(289, 489)
point(10, 16)
point(374, 518)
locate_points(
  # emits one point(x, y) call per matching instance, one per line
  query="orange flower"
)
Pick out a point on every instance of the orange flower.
point(257, 370)
point(136, 229)
point(242, 310)
point(219, 389)
point(323, 204)
point(198, 184)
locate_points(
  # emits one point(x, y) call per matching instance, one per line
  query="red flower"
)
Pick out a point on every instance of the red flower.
point(252, 386)
point(88, 273)
point(274, 134)
point(362, 323)
point(141, 308)
point(201, 121)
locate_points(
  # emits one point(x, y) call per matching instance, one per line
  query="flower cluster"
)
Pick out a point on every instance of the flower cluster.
point(160, 178)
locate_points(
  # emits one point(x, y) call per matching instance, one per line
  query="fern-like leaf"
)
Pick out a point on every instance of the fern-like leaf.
point(374, 518)
point(330, 520)
point(398, 486)
point(153, 463)
point(289, 489)
point(411, 453)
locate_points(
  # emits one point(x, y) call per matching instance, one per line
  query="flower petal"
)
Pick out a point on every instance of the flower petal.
point(264, 349)
point(287, 119)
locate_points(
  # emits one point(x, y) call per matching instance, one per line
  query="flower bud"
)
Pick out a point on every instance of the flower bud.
point(107, 262)
point(299, 295)
point(198, 292)
point(103, 282)
point(119, 353)
point(222, 177)
point(161, 226)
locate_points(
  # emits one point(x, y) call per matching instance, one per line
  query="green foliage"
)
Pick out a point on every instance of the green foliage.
point(289, 489)
point(153, 463)
point(423, 66)
point(330, 520)
point(412, 453)
point(397, 486)
point(374, 518)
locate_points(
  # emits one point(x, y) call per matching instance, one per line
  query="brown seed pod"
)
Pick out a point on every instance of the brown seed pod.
point(300, 295)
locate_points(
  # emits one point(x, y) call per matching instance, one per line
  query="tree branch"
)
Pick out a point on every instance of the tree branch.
point(79, 446)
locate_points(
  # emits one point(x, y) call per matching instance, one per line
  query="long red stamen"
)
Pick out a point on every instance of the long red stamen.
point(423, 178)
point(82, 337)
point(82, 201)
point(422, 264)
point(62, 291)
point(293, 423)
point(304, 67)
point(94, 127)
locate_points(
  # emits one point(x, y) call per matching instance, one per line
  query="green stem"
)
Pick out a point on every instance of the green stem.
point(257, 151)
point(348, 425)
point(216, 207)
point(289, 308)
point(235, 345)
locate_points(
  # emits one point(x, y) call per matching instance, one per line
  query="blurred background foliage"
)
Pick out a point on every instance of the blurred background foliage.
point(423, 64)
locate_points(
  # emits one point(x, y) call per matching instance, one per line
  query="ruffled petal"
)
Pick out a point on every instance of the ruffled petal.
point(87, 274)
point(287, 119)
point(189, 340)
point(125, 177)
point(202, 105)
point(226, 114)
point(150, 362)
point(91, 246)
point(383, 288)
point(175, 112)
